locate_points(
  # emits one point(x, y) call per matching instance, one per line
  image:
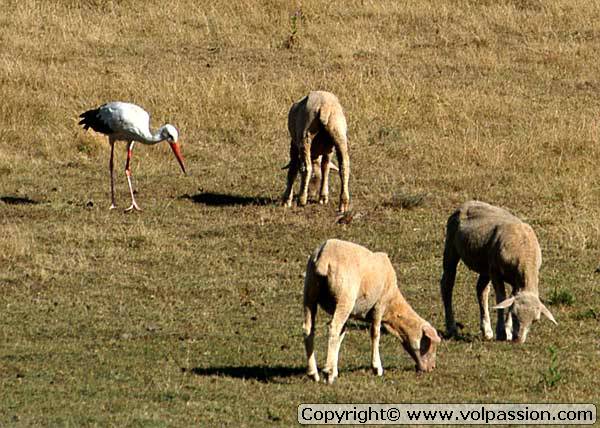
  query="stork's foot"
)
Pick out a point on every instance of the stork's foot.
point(133, 206)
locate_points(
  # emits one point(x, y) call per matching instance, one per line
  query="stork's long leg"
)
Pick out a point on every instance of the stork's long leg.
point(134, 204)
point(112, 174)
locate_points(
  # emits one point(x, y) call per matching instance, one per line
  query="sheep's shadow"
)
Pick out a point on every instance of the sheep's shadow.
point(267, 374)
point(461, 337)
point(17, 200)
point(223, 199)
point(259, 373)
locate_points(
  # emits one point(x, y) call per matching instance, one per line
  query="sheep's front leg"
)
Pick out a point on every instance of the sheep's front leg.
point(337, 331)
point(508, 324)
point(305, 170)
point(325, 167)
point(375, 335)
point(315, 180)
point(483, 292)
point(504, 323)
point(288, 195)
point(450, 263)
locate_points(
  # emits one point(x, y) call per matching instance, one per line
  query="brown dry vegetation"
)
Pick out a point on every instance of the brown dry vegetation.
point(190, 312)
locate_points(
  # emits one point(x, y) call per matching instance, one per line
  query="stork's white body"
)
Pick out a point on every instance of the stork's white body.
point(128, 122)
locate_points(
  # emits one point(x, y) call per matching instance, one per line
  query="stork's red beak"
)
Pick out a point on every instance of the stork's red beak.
point(177, 153)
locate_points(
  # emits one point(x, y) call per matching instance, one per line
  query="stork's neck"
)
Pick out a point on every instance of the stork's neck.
point(150, 138)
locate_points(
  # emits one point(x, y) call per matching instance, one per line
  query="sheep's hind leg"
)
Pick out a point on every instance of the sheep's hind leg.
point(311, 296)
point(344, 166)
point(305, 169)
point(288, 195)
point(337, 331)
point(310, 312)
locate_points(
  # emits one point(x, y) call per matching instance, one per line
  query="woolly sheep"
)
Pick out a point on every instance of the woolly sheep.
point(348, 280)
point(501, 248)
point(317, 127)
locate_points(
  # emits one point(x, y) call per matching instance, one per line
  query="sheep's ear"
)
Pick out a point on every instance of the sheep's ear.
point(430, 332)
point(505, 304)
point(546, 312)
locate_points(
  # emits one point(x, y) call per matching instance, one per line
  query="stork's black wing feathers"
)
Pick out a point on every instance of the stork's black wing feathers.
point(91, 119)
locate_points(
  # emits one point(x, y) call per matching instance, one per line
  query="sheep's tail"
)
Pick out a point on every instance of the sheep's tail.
point(333, 120)
point(321, 267)
point(325, 113)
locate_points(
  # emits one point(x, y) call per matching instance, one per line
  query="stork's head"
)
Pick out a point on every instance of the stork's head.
point(169, 133)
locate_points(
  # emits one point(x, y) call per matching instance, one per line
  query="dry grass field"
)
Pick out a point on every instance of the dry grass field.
point(189, 313)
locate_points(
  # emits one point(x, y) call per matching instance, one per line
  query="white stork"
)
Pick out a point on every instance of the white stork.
point(130, 123)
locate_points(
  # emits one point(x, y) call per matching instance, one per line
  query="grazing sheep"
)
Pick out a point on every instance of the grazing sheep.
point(501, 248)
point(317, 127)
point(348, 280)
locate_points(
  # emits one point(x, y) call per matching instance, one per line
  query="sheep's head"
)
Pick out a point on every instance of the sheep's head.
point(526, 308)
point(419, 339)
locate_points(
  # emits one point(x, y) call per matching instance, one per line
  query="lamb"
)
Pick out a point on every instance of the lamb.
point(348, 280)
point(501, 248)
point(317, 127)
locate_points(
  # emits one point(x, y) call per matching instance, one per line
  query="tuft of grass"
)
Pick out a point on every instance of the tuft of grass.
point(405, 200)
point(294, 26)
point(562, 297)
point(590, 313)
point(552, 375)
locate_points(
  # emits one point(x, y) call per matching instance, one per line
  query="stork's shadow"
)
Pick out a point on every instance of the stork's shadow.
point(223, 199)
point(259, 373)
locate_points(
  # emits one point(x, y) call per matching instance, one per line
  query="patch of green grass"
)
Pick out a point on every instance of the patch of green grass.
point(588, 314)
point(561, 297)
point(405, 200)
point(295, 22)
point(552, 375)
